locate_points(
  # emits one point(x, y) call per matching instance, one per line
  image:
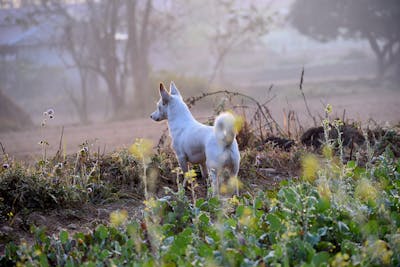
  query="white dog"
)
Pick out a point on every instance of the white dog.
point(214, 148)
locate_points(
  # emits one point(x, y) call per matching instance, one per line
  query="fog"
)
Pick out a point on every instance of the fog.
point(102, 61)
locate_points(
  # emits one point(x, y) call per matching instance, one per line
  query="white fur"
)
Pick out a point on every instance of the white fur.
point(213, 147)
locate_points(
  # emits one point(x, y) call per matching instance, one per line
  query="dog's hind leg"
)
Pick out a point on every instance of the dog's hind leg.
point(213, 176)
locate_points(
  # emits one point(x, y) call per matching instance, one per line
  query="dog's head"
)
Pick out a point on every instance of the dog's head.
point(161, 112)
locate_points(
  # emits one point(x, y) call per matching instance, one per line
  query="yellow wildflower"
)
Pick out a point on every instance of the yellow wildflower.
point(324, 190)
point(338, 122)
point(190, 175)
point(234, 200)
point(150, 204)
point(310, 166)
point(238, 121)
point(142, 149)
point(118, 217)
point(223, 189)
point(328, 109)
point(234, 184)
point(379, 250)
point(246, 217)
point(341, 260)
point(365, 190)
point(238, 124)
point(327, 151)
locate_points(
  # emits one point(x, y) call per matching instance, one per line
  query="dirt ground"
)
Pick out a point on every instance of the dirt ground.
point(83, 220)
point(106, 137)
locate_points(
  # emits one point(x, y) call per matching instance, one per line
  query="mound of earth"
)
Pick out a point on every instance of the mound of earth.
point(315, 136)
point(12, 117)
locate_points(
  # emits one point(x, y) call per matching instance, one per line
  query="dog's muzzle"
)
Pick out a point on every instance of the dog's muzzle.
point(154, 118)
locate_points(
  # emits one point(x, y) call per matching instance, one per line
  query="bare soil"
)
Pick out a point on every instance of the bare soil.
point(103, 137)
point(83, 220)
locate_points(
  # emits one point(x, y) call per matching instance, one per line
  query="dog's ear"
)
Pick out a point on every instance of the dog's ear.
point(164, 94)
point(173, 89)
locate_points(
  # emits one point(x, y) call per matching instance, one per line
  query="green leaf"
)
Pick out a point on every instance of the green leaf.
point(43, 260)
point(203, 218)
point(102, 232)
point(63, 237)
point(104, 254)
point(322, 231)
point(291, 197)
point(321, 259)
point(169, 240)
point(371, 228)
point(205, 250)
point(323, 205)
point(274, 222)
point(209, 240)
point(359, 172)
point(181, 241)
point(343, 227)
point(351, 164)
point(200, 202)
point(312, 238)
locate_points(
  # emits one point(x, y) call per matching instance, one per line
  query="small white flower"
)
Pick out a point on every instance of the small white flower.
point(6, 166)
point(89, 190)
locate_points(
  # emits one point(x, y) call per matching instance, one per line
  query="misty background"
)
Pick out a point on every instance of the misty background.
point(101, 61)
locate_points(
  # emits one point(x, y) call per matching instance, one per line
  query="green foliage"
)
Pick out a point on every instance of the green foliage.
point(299, 225)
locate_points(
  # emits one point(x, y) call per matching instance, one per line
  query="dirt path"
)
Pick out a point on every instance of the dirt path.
point(104, 136)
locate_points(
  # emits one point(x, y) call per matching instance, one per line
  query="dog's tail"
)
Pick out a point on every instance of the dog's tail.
point(225, 128)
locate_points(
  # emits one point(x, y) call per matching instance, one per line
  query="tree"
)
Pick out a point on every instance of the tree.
point(74, 43)
point(237, 23)
point(85, 35)
point(373, 20)
point(114, 40)
point(146, 25)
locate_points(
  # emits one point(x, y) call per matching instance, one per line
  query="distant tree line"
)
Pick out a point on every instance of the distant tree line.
point(376, 21)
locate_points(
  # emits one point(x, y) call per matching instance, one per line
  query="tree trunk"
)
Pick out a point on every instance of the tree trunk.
point(138, 28)
point(117, 99)
point(380, 64)
point(142, 86)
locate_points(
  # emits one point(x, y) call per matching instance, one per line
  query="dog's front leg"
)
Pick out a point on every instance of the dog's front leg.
point(203, 170)
point(183, 163)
